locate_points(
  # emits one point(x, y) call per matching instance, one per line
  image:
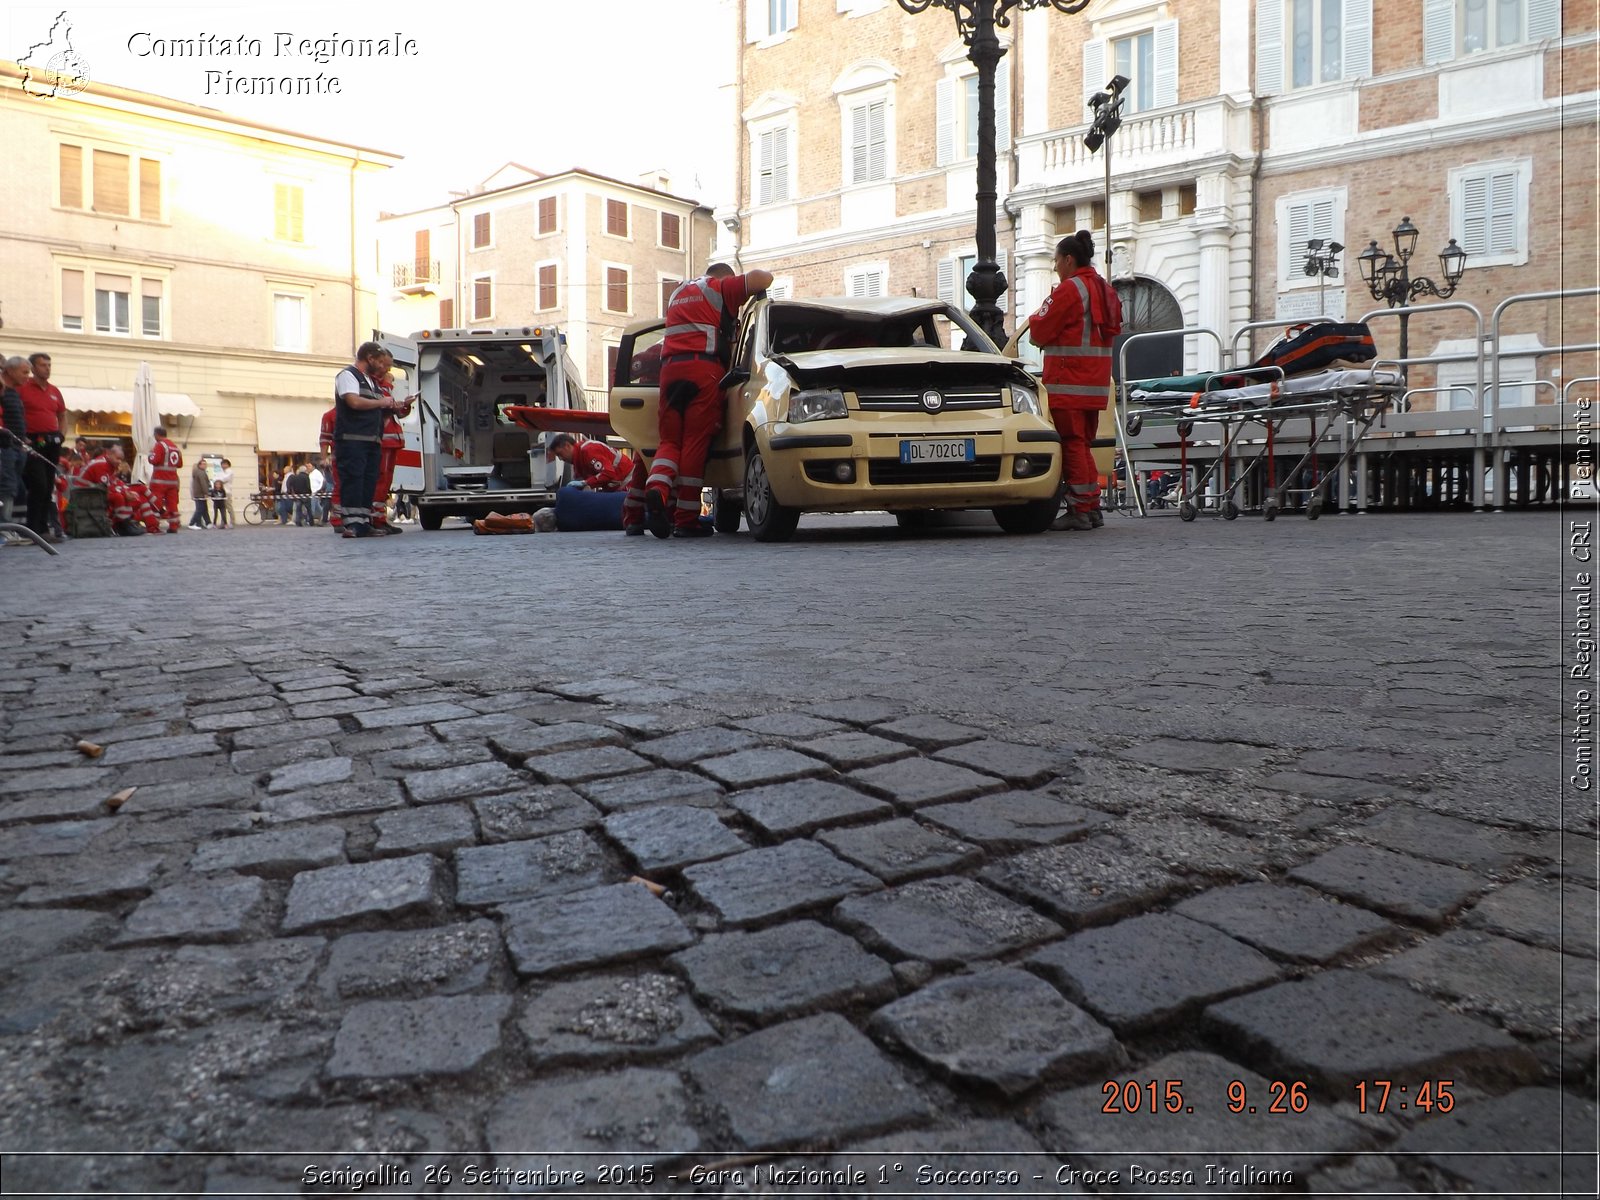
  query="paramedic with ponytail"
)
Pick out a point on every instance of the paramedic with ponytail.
point(1074, 329)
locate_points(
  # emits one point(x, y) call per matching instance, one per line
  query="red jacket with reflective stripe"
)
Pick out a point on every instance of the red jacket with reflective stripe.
point(700, 316)
point(165, 458)
point(601, 467)
point(1075, 328)
point(325, 437)
point(99, 472)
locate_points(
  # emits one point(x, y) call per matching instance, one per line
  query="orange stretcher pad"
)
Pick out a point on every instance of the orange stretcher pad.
point(570, 420)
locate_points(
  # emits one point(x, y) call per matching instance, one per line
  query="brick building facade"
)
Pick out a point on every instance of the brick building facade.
point(577, 250)
point(1249, 127)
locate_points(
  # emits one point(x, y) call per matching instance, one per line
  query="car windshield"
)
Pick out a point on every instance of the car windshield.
point(802, 328)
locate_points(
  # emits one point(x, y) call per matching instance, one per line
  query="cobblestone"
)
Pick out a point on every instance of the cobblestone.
point(1002, 1028)
point(784, 971)
point(760, 884)
point(445, 1035)
point(802, 805)
point(563, 862)
point(804, 1081)
point(390, 888)
point(150, 999)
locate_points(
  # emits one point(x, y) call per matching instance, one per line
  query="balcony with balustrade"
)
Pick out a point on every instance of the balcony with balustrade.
point(1151, 148)
point(419, 277)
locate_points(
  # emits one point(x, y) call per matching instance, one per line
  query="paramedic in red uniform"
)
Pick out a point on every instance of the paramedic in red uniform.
point(701, 317)
point(325, 443)
point(103, 470)
point(1074, 329)
point(165, 459)
point(597, 466)
point(393, 441)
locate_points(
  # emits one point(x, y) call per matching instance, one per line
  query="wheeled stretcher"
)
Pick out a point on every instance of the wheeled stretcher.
point(1247, 412)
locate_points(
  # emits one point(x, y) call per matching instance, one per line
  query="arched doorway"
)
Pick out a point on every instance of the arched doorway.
point(1148, 307)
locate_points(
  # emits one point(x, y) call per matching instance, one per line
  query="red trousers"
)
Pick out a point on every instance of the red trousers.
point(333, 500)
point(380, 494)
point(164, 499)
point(1077, 428)
point(690, 416)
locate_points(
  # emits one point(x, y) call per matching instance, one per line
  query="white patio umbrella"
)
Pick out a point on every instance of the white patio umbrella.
point(145, 420)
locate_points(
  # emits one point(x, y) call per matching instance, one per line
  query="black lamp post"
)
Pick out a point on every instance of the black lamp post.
point(1322, 264)
point(1388, 276)
point(976, 20)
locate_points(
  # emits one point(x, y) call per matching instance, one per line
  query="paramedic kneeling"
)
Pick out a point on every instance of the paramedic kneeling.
point(359, 408)
point(1074, 329)
point(599, 467)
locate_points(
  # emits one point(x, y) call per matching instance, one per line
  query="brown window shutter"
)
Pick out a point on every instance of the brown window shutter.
point(617, 217)
point(423, 256)
point(668, 286)
point(150, 189)
point(482, 299)
point(480, 231)
point(547, 214)
point(71, 176)
point(547, 286)
point(616, 289)
point(671, 230)
point(110, 183)
point(447, 314)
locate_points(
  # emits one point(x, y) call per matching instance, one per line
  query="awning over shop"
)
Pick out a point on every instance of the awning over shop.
point(288, 426)
point(113, 400)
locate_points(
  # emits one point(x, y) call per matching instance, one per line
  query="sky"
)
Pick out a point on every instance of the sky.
point(552, 85)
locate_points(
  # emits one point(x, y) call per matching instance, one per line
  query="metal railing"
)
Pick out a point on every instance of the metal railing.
point(413, 274)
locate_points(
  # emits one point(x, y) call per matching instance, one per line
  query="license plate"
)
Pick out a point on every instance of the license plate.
point(927, 450)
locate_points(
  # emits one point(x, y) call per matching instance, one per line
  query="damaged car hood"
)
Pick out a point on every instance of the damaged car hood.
point(887, 364)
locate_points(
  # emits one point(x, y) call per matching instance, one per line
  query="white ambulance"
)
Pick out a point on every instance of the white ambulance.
point(464, 456)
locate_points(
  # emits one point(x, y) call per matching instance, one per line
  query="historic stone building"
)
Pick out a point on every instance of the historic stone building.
point(1249, 128)
point(577, 250)
point(230, 255)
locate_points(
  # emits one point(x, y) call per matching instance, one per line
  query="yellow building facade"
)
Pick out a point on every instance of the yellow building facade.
point(235, 258)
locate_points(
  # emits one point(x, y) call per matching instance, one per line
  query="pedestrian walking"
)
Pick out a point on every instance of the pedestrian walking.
point(200, 485)
point(701, 317)
point(359, 409)
point(298, 486)
point(1074, 329)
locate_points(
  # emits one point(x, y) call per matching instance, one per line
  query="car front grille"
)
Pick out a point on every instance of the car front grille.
point(983, 469)
point(963, 399)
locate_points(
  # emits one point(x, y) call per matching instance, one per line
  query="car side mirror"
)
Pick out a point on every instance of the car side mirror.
point(737, 377)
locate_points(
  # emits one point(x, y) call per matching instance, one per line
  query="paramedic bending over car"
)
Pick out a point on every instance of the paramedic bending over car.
point(701, 317)
point(1074, 329)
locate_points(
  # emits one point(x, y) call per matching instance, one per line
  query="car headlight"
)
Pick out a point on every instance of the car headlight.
point(817, 404)
point(1024, 400)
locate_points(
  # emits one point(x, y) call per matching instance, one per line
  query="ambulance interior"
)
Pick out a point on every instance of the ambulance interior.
point(480, 448)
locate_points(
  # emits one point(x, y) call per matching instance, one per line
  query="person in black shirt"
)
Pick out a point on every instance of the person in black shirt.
point(357, 429)
point(298, 485)
point(13, 374)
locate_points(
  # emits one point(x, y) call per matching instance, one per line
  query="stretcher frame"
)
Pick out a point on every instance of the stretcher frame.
point(1348, 409)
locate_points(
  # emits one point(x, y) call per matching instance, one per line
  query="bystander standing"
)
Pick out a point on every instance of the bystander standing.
point(44, 407)
point(221, 496)
point(200, 485)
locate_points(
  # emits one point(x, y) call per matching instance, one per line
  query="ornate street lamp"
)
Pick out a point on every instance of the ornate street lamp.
point(976, 21)
point(1388, 276)
point(1322, 264)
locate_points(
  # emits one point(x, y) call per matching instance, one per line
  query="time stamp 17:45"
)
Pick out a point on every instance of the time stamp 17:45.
point(1281, 1096)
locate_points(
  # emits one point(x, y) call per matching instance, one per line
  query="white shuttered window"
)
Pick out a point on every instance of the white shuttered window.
point(1308, 43)
point(869, 147)
point(772, 166)
point(1489, 212)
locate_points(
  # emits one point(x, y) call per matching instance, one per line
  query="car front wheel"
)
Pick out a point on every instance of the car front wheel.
point(769, 521)
point(1034, 517)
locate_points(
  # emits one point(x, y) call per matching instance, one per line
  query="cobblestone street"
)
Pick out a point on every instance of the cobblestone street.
point(938, 834)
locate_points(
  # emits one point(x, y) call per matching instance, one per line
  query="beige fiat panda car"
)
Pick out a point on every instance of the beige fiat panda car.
point(851, 405)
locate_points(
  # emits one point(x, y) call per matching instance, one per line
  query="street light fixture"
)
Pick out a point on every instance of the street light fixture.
point(976, 21)
point(1322, 264)
point(1388, 276)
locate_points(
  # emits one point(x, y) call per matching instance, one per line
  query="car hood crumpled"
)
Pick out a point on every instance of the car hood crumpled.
point(888, 356)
